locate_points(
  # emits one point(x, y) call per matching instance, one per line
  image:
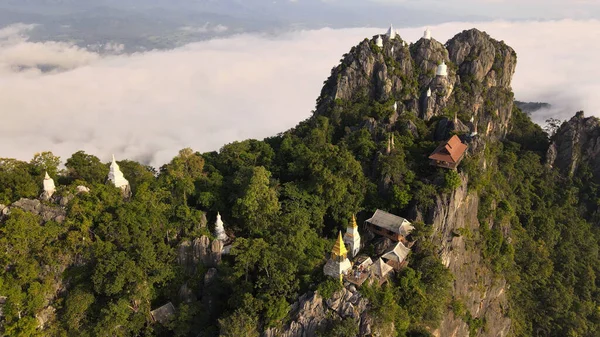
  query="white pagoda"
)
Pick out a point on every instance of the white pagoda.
point(379, 41)
point(352, 238)
point(338, 263)
point(115, 176)
point(428, 92)
point(442, 70)
point(49, 187)
point(427, 34)
point(391, 33)
point(220, 229)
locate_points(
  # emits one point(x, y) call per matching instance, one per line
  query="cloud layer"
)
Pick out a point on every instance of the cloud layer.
point(147, 106)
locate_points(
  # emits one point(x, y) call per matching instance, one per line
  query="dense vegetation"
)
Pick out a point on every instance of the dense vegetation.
point(113, 259)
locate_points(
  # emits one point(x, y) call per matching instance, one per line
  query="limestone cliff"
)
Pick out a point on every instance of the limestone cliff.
point(475, 97)
point(455, 223)
point(575, 144)
point(480, 71)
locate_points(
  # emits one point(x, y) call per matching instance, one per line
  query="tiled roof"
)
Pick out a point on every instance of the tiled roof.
point(450, 151)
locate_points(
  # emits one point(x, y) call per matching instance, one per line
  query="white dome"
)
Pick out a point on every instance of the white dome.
point(379, 41)
point(391, 33)
point(116, 176)
point(442, 69)
point(427, 34)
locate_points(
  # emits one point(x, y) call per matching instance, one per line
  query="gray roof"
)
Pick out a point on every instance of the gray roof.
point(380, 268)
point(164, 313)
point(391, 222)
point(398, 254)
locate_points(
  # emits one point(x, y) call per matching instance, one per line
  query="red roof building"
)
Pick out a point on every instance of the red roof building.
point(449, 154)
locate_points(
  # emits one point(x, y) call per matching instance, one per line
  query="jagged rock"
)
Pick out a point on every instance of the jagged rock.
point(203, 221)
point(208, 297)
point(186, 295)
point(216, 249)
point(575, 143)
point(477, 54)
point(210, 276)
point(3, 209)
point(184, 255)
point(308, 316)
point(47, 213)
point(65, 199)
point(46, 315)
point(482, 292)
point(201, 253)
point(445, 127)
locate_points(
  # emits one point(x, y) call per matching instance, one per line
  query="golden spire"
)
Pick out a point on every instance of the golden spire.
point(354, 225)
point(339, 249)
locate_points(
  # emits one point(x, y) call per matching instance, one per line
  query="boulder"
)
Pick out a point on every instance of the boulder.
point(47, 213)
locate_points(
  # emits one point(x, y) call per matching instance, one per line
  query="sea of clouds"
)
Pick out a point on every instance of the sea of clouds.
point(147, 106)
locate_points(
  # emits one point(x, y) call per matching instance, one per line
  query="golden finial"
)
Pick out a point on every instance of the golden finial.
point(354, 225)
point(339, 249)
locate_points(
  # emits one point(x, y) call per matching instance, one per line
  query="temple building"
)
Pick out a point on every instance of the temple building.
point(389, 225)
point(442, 70)
point(379, 41)
point(49, 187)
point(380, 271)
point(427, 34)
point(220, 229)
point(338, 263)
point(352, 238)
point(115, 176)
point(391, 33)
point(449, 154)
point(397, 256)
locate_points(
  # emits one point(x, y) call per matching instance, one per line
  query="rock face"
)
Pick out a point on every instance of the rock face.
point(576, 143)
point(483, 294)
point(480, 71)
point(312, 314)
point(47, 213)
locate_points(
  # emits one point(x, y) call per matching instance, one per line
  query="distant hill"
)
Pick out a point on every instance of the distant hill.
point(531, 107)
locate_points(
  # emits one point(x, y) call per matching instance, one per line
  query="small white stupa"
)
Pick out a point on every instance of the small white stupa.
point(352, 238)
point(428, 92)
point(392, 51)
point(427, 34)
point(220, 229)
point(115, 176)
point(391, 33)
point(442, 69)
point(49, 187)
point(379, 41)
point(396, 106)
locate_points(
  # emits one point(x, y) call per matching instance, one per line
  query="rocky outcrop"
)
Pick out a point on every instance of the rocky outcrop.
point(46, 212)
point(201, 250)
point(312, 314)
point(576, 143)
point(480, 71)
point(454, 221)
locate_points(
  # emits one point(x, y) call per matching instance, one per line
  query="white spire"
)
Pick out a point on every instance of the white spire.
point(427, 34)
point(379, 41)
point(220, 229)
point(49, 187)
point(396, 106)
point(391, 33)
point(116, 176)
point(472, 119)
point(392, 51)
point(428, 92)
point(442, 69)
